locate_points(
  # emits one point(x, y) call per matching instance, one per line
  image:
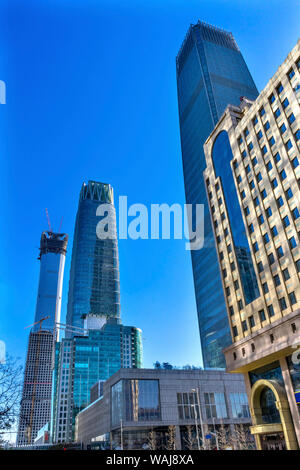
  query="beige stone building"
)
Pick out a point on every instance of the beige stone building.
point(253, 187)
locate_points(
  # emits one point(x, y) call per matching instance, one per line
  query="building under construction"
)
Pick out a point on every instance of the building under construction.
point(37, 389)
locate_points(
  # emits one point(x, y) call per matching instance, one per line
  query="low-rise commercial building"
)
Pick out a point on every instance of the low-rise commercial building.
point(139, 406)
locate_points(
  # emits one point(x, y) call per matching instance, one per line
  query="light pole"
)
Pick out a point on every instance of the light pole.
point(215, 433)
point(196, 424)
point(200, 415)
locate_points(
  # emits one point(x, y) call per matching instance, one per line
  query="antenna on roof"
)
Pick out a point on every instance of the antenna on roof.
point(61, 220)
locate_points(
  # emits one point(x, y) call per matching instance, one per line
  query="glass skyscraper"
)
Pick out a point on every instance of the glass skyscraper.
point(211, 73)
point(94, 286)
point(81, 362)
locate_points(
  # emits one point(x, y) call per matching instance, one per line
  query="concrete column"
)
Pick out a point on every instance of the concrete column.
point(177, 438)
point(290, 396)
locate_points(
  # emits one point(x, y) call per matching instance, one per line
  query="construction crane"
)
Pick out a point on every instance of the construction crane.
point(48, 218)
point(29, 429)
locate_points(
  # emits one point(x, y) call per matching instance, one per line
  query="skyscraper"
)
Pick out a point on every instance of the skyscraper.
point(253, 178)
point(82, 361)
point(94, 286)
point(211, 73)
point(35, 409)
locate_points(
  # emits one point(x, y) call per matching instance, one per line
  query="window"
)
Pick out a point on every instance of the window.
point(221, 255)
point(274, 183)
point(271, 312)
point(259, 135)
point(271, 258)
point(292, 242)
point(243, 194)
point(291, 118)
point(246, 132)
point(277, 113)
point(279, 252)
point(240, 140)
point(231, 310)
point(297, 135)
point(265, 287)
point(264, 194)
point(276, 280)
point(272, 141)
point(262, 315)
point(258, 177)
point(282, 303)
point(267, 126)
point(274, 231)
point(217, 187)
point(229, 249)
point(255, 247)
point(254, 161)
point(224, 271)
point(251, 184)
point(272, 98)
point(279, 202)
point(244, 154)
point(250, 147)
point(248, 169)
point(260, 219)
point(223, 216)
point(226, 231)
point(298, 265)
point(235, 164)
point(239, 405)
point(268, 211)
point(279, 88)
point(240, 304)
point(282, 175)
point(277, 157)
point(286, 274)
point(244, 325)
point(227, 291)
point(187, 403)
point(251, 228)
point(286, 221)
point(288, 145)
point(282, 128)
point(295, 162)
point(269, 166)
point(285, 103)
point(260, 267)
point(246, 211)
point(295, 213)
point(292, 298)
point(215, 405)
point(289, 193)
point(262, 111)
point(291, 73)
point(251, 321)
point(264, 150)
point(232, 266)
point(256, 201)
point(266, 238)
point(239, 179)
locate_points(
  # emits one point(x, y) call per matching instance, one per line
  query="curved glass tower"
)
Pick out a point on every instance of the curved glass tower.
point(94, 286)
point(211, 73)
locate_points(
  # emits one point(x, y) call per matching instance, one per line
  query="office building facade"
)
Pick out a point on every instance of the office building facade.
point(254, 206)
point(35, 410)
point(85, 361)
point(211, 73)
point(138, 402)
point(94, 286)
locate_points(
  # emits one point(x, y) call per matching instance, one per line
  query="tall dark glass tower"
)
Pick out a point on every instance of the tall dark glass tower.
point(211, 73)
point(94, 286)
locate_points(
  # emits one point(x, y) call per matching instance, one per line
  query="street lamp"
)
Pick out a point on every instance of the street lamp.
point(196, 424)
point(200, 415)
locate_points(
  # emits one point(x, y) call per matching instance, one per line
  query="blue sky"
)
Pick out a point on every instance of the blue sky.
point(91, 94)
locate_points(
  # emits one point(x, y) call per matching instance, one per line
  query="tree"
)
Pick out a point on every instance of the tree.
point(190, 439)
point(11, 378)
point(242, 439)
point(152, 444)
point(171, 438)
